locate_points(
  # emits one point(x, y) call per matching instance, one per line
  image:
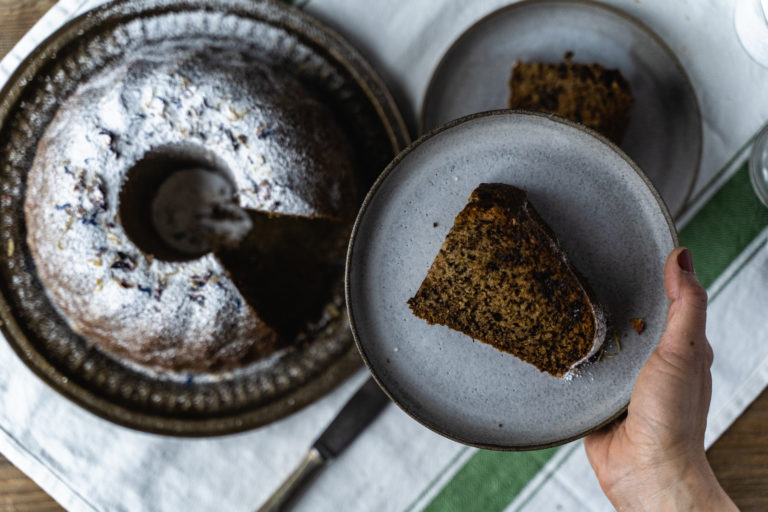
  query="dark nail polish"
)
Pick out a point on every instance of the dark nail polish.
point(685, 261)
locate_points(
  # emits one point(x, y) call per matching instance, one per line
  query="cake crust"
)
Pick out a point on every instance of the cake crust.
point(501, 278)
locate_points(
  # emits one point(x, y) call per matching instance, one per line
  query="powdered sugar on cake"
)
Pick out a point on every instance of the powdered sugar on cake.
point(285, 158)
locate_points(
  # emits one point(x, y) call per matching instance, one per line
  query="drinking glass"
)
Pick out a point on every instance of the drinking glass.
point(758, 165)
point(751, 22)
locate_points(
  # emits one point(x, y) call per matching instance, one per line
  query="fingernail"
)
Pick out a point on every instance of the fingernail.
point(685, 261)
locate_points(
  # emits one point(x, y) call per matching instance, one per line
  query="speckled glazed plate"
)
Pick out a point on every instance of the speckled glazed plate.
point(200, 404)
point(664, 133)
point(608, 218)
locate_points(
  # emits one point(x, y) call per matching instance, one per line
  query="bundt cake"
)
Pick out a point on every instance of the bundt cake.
point(589, 94)
point(501, 278)
point(172, 112)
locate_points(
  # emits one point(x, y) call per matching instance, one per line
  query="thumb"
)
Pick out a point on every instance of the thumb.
point(686, 320)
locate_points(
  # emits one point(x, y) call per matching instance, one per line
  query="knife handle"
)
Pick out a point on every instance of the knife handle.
point(312, 462)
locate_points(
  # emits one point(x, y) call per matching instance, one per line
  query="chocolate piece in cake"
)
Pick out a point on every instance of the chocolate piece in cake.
point(589, 94)
point(501, 278)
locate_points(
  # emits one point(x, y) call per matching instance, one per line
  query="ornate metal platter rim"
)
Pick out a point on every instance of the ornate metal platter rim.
point(290, 20)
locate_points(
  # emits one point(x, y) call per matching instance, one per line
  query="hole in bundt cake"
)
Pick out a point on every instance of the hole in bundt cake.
point(179, 203)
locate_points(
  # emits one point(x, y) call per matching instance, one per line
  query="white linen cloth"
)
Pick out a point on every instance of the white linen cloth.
point(89, 464)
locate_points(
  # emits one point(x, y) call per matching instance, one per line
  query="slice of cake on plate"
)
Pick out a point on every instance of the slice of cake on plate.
point(502, 278)
point(589, 94)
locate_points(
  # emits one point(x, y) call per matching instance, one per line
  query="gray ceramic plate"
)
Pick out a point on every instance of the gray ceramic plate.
point(664, 134)
point(200, 404)
point(608, 218)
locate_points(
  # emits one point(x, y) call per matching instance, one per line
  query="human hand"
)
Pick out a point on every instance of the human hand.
point(654, 458)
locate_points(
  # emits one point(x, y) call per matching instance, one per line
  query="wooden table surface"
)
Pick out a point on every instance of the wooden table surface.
point(739, 457)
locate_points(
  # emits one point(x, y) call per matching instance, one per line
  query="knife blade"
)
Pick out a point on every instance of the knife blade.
point(354, 417)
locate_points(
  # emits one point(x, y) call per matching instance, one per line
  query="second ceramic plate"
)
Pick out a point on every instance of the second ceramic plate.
point(608, 218)
point(664, 134)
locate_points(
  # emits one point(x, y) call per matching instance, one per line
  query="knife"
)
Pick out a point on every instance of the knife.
point(357, 414)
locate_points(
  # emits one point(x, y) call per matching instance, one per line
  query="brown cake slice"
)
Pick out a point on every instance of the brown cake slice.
point(501, 278)
point(589, 94)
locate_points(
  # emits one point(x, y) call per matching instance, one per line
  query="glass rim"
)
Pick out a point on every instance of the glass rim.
point(758, 165)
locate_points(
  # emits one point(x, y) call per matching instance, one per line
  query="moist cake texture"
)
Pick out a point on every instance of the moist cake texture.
point(501, 278)
point(589, 94)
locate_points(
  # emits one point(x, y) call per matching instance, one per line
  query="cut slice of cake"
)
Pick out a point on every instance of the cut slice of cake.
point(589, 94)
point(288, 268)
point(501, 278)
